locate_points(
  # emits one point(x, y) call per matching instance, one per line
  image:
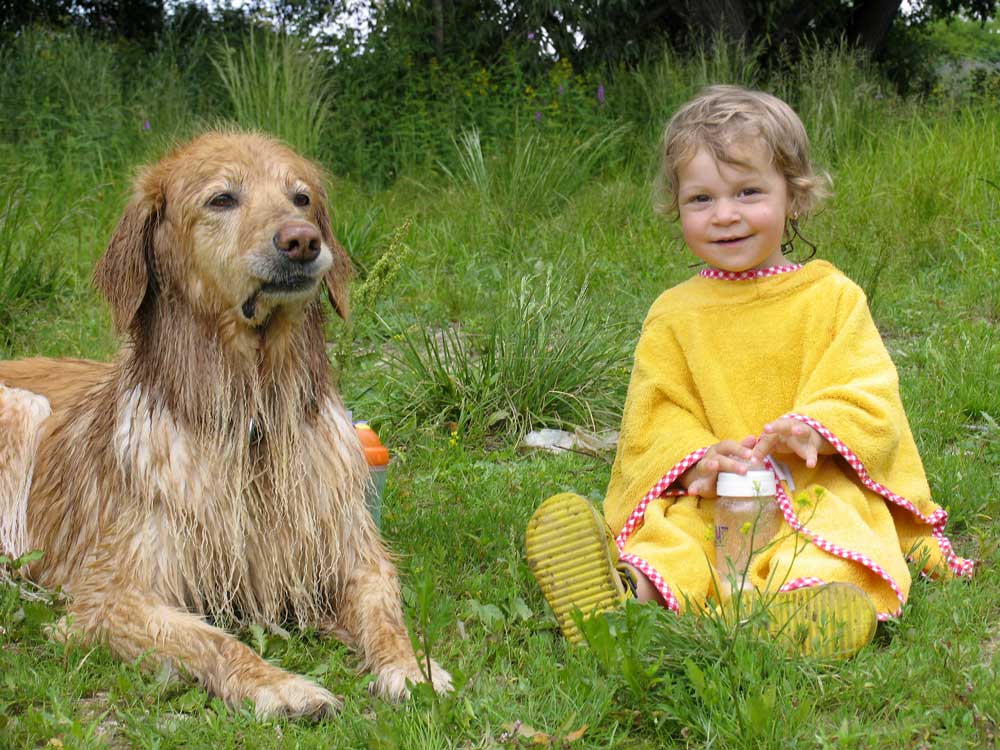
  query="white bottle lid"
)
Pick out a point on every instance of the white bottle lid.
point(758, 483)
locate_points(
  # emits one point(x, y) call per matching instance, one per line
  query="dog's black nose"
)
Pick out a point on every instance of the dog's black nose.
point(298, 241)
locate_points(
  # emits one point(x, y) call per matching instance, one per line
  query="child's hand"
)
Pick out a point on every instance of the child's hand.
point(788, 435)
point(727, 455)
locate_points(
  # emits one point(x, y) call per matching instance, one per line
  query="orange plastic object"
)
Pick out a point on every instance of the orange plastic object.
point(376, 453)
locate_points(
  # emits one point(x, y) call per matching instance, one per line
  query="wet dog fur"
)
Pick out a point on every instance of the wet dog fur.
point(209, 476)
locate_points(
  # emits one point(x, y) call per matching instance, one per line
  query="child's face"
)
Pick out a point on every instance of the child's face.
point(732, 216)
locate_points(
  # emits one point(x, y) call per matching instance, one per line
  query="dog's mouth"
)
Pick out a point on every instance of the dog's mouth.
point(278, 280)
point(288, 286)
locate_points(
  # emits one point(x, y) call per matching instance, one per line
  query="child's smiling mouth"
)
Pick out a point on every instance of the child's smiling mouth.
point(731, 240)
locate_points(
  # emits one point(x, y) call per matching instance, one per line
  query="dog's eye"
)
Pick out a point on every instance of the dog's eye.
point(223, 200)
point(301, 200)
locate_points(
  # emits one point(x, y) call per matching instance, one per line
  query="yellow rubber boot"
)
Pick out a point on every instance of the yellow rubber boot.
point(572, 553)
point(831, 621)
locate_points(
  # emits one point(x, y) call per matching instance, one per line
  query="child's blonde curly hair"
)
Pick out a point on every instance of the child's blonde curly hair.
point(720, 118)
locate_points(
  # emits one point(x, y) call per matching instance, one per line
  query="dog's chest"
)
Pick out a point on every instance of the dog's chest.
point(257, 521)
point(246, 469)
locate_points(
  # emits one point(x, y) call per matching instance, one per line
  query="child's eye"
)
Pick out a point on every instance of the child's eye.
point(747, 192)
point(700, 198)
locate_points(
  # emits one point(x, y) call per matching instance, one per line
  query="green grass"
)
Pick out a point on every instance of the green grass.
point(506, 291)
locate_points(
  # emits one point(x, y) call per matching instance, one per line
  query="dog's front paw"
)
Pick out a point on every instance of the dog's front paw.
point(62, 630)
point(390, 682)
point(295, 696)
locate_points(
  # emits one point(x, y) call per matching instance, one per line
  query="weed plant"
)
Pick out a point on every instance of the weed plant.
point(704, 679)
point(502, 282)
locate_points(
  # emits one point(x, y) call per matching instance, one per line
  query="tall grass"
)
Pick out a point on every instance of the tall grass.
point(546, 359)
point(276, 84)
point(837, 94)
point(534, 173)
point(61, 95)
point(664, 82)
point(29, 276)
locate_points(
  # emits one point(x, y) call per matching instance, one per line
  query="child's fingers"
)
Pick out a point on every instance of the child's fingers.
point(779, 426)
point(726, 455)
point(731, 465)
point(791, 436)
point(704, 482)
point(734, 449)
point(765, 444)
point(783, 426)
point(809, 454)
point(749, 442)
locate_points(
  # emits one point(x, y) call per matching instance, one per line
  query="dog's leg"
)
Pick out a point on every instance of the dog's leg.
point(135, 624)
point(370, 619)
point(21, 417)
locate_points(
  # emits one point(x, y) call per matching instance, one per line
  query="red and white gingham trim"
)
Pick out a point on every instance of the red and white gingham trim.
point(655, 578)
point(937, 520)
point(802, 583)
point(763, 273)
point(785, 503)
point(659, 489)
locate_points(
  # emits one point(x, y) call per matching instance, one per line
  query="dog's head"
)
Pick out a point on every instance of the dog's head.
point(235, 223)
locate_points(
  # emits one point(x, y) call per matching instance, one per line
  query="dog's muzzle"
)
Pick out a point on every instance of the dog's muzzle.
point(291, 268)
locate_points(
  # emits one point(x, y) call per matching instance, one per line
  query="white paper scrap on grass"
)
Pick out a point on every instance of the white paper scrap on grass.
point(578, 441)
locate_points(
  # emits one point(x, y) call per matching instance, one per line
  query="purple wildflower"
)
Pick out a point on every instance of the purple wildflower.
point(562, 89)
point(531, 35)
point(600, 94)
point(146, 125)
point(538, 116)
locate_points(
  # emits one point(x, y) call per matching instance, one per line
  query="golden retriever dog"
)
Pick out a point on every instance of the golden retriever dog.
point(209, 476)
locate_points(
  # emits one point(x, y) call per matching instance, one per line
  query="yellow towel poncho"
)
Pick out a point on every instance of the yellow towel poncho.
point(720, 357)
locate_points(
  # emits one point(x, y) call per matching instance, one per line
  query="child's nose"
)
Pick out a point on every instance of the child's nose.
point(725, 212)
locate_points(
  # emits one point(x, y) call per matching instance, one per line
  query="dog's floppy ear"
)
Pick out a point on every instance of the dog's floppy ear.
point(339, 276)
point(338, 279)
point(123, 274)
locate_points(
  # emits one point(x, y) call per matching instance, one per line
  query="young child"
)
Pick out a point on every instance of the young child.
point(758, 362)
